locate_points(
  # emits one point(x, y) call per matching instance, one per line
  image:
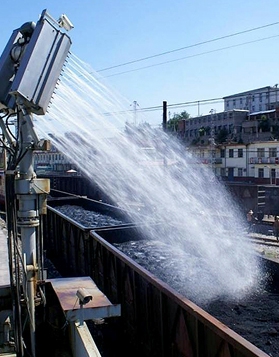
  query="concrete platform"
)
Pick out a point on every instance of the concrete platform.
point(4, 260)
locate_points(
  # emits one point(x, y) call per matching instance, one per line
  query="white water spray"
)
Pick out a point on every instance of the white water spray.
point(181, 202)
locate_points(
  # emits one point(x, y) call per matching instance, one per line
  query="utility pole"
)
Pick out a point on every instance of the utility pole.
point(276, 99)
point(135, 105)
point(212, 137)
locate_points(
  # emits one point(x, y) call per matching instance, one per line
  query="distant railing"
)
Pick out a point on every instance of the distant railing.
point(264, 160)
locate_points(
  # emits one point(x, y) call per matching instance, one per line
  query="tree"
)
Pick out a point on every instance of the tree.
point(222, 136)
point(172, 123)
point(264, 124)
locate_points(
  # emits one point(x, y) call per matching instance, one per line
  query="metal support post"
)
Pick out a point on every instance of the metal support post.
point(28, 218)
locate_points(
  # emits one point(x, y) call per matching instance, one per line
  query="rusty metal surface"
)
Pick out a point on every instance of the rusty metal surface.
point(66, 291)
point(155, 320)
point(191, 330)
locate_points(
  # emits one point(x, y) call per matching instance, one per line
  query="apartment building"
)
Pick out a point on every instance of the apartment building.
point(255, 100)
point(241, 143)
point(51, 161)
point(247, 117)
point(222, 126)
point(256, 162)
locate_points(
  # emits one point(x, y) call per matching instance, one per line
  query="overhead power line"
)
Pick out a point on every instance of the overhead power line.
point(183, 104)
point(191, 56)
point(192, 103)
point(173, 106)
point(189, 46)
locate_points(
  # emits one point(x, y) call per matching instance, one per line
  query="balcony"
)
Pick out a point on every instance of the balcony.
point(264, 160)
point(215, 161)
point(218, 161)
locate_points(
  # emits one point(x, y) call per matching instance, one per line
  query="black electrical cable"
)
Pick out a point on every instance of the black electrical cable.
point(7, 126)
point(191, 56)
point(190, 46)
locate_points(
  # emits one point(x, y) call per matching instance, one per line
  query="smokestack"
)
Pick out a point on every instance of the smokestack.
point(164, 115)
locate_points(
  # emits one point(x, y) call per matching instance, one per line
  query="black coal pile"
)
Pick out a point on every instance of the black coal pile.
point(255, 317)
point(179, 269)
point(88, 218)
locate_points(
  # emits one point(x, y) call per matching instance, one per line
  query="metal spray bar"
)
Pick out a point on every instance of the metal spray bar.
point(31, 64)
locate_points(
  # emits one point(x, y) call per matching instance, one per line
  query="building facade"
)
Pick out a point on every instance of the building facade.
point(256, 162)
point(241, 143)
point(52, 161)
point(224, 126)
point(255, 100)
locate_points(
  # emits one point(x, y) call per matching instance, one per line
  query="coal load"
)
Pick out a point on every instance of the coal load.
point(254, 317)
point(87, 218)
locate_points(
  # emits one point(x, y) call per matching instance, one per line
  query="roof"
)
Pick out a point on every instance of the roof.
point(249, 92)
point(263, 112)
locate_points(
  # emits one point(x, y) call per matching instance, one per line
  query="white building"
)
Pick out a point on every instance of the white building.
point(256, 162)
point(255, 100)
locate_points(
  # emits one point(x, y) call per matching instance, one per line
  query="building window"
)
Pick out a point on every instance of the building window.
point(234, 102)
point(223, 171)
point(260, 152)
point(230, 152)
point(272, 152)
point(240, 172)
point(240, 100)
point(230, 172)
point(228, 103)
point(261, 173)
point(260, 97)
point(260, 107)
point(240, 153)
point(222, 153)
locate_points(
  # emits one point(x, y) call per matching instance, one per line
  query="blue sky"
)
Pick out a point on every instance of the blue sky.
point(112, 32)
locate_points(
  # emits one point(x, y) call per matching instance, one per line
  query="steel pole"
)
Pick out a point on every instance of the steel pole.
point(27, 218)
